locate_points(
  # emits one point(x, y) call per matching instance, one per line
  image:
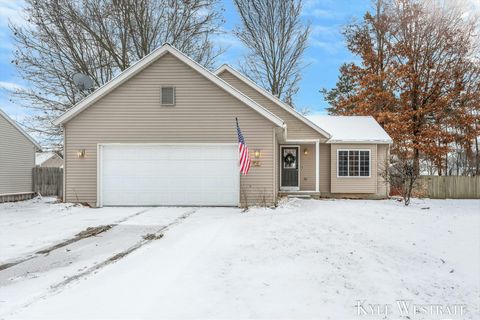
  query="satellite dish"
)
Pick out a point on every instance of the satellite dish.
point(82, 82)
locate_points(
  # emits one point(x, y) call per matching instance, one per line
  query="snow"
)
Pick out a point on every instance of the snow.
point(29, 226)
point(36, 274)
point(351, 128)
point(41, 157)
point(305, 259)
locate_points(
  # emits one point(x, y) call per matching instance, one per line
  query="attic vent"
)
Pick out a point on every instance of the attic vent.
point(168, 96)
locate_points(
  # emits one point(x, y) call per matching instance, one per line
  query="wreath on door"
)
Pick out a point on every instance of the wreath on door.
point(289, 159)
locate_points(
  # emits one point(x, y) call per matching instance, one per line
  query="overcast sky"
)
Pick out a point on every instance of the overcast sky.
point(325, 54)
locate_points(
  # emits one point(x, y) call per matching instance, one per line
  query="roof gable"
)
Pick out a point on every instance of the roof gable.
point(16, 126)
point(148, 60)
point(272, 98)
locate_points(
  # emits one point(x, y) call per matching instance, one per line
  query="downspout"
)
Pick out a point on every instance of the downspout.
point(64, 192)
point(317, 165)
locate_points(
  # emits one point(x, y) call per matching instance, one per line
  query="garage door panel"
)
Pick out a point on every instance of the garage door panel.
point(169, 175)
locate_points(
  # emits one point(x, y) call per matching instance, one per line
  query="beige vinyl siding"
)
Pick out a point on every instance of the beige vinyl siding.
point(307, 168)
point(354, 184)
point(17, 158)
point(382, 156)
point(325, 168)
point(203, 113)
point(374, 185)
point(296, 129)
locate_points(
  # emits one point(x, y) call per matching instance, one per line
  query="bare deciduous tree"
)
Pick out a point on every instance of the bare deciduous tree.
point(100, 38)
point(273, 32)
point(402, 176)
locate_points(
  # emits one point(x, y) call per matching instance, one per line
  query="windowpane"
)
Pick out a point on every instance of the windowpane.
point(343, 163)
point(168, 96)
point(364, 163)
point(353, 163)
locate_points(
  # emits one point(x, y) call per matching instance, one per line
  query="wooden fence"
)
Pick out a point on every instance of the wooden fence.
point(48, 181)
point(450, 187)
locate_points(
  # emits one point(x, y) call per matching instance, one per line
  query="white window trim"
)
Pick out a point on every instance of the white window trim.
point(174, 96)
point(348, 165)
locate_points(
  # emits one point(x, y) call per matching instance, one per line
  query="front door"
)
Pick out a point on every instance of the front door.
point(289, 170)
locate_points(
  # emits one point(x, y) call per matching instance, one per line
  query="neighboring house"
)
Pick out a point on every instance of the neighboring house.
point(17, 158)
point(48, 159)
point(163, 133)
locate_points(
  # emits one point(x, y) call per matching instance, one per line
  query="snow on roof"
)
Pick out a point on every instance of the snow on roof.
point(41, 157)
point(352, 129)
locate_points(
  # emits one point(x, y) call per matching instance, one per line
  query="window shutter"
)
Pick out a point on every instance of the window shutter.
point(167, 96)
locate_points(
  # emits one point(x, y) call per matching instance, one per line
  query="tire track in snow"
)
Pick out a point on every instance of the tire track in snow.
point(156, 235)
point(56, 288)
point(64, 243)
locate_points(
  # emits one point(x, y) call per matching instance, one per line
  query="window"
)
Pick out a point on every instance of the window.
point(364, 164)
point(167, 96)
point(343, 163)
point(353, 163)
point(290, 158)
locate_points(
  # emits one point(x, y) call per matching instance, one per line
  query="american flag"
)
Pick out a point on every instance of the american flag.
point(245, 160)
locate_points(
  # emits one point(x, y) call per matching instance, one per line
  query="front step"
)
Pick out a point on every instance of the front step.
point(300, 196)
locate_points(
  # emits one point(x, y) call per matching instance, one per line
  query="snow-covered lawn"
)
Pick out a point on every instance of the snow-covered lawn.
point(307, 259)
point(29, 226)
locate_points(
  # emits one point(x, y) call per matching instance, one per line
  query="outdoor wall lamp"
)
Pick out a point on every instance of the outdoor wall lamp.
point(305, 151)
point(81, 153)
point(256, 155)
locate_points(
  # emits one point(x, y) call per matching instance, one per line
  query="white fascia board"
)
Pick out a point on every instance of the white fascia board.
point(110, 85)
point(272, 98)
point(360, 141)
point(16, 126)
point(147, 60)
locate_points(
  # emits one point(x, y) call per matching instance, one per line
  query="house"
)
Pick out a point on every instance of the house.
point(163, 133)
point(48, 159)
point(17, 158)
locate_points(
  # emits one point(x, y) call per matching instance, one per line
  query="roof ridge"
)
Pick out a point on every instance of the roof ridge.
point(145, 62)
point(270, 96)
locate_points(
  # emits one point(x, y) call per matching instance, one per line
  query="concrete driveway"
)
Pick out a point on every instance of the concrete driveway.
point(46, 245)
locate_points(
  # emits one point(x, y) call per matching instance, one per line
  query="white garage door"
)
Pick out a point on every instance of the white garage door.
point(137, 175)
